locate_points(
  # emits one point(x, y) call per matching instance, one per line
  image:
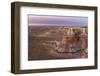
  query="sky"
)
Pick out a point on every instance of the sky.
point(39, 20)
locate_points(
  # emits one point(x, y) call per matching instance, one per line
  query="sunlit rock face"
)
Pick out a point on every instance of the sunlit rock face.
point(74, 41)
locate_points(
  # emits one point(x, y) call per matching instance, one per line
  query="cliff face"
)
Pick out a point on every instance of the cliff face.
point(74, 40)
point(74, 36)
